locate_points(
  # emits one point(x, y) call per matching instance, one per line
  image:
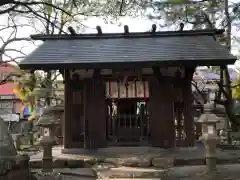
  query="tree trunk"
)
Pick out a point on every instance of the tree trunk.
point(48, 85)
point(230, 117)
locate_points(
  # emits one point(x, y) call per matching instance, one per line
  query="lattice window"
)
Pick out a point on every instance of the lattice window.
point(179, 123)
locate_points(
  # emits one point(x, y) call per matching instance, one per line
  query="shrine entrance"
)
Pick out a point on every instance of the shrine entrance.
point(128, 121)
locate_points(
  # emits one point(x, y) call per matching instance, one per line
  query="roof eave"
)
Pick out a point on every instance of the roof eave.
point(113, 65)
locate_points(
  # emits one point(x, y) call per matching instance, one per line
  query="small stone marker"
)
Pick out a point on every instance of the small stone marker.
point(12, 166)
point(17, 141)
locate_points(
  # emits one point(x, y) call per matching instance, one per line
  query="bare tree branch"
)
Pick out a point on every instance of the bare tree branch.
point(2, 48)
point(27, 4)
point(15, 50)
point(198, 90)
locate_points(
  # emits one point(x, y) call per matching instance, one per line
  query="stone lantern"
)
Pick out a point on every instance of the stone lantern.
point(48, 121)
point(209, 136)
point(57, 112)
point(10, 162)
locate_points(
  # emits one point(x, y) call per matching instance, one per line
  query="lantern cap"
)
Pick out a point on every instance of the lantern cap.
point(53, 109)
point(47, 120)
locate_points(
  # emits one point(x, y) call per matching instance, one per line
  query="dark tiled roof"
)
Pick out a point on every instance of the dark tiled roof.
point(87, 51)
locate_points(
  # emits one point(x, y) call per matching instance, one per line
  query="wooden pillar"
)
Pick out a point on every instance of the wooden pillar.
point(161, 112)
point(96, 116)
point(67, 110)
point(188, 107)
point(78, 113)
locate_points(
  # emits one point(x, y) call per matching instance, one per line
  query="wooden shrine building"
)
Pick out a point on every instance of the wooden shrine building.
point(128, 88)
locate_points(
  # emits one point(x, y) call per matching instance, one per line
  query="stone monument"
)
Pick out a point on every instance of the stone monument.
point(11, 164)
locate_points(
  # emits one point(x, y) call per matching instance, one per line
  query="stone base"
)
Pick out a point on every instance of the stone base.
point(60, 163)
point(140, 161)
point(72, 150)
point(158, 162)
point(135, 157)
point(163, 162)
point(228, 147)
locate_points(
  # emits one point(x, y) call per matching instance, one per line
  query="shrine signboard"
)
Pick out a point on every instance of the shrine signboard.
point(10, 117)
point(7, 97)
point(131, 89)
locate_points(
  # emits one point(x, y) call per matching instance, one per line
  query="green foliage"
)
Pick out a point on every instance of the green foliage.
point(198, 14)
point(31, 87)
point(236, 89)
point(48, 9)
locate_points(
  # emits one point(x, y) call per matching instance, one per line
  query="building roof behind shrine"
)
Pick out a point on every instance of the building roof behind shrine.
point(197, 47)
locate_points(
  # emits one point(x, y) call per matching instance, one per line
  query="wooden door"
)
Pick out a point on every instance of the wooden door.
point(96, 114)
point(128, 123)
point(161, 113)
point(78, 128)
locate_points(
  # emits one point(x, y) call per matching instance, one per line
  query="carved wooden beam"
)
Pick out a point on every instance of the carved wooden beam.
point(189, 72)
point(157, 73)
point(66, 76)
point(62, 72)
point(96, 73)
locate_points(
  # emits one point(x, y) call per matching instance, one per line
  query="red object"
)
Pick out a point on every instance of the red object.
point(7, 89)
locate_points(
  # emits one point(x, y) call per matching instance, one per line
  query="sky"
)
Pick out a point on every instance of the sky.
point(135, 25)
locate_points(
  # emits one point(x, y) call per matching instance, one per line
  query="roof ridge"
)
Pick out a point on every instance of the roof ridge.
point(210, 32)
